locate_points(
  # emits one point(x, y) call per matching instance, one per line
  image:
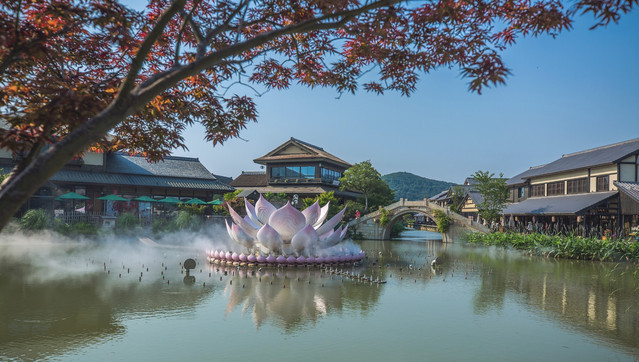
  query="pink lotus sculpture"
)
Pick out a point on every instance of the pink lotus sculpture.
point(296, 237)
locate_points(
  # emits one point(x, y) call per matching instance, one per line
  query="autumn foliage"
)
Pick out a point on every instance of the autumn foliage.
point(78, 74)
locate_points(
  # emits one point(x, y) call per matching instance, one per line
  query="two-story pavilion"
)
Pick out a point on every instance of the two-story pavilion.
point(598, 187)
point(296, 168)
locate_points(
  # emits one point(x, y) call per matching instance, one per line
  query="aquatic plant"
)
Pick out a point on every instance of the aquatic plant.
point(562, 246)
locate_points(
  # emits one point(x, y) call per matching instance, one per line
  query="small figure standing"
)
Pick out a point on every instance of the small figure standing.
point(529, 228)
point(357, 214)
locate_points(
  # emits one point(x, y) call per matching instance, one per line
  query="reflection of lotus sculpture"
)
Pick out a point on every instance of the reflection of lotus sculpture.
point(287, 236)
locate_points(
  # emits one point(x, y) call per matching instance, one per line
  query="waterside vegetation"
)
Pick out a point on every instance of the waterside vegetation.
point(563, 246)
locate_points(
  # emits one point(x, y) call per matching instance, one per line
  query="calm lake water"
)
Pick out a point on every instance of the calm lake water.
point(89, 303)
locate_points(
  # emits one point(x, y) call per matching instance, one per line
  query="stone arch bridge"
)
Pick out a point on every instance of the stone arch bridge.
point(368, 225)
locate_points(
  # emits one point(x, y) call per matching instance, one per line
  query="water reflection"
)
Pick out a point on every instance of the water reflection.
point(596, 298)
point(294, 298)
point(72, 298)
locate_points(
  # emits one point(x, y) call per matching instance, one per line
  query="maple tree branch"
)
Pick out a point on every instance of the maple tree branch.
point(150, 39)
point(188, 19)
point(220, 28)
point(148, 90)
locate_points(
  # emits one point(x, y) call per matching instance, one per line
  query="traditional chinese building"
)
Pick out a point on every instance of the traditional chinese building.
point(296, 168)
point(98, 174)
point(598, 188)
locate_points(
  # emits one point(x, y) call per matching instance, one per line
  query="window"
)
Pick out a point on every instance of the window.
point(330, 175)
point(522, 192)
point(577, 186)
point(292, 172)
point(603, 183)
point(277, 172)
point(308, 171)
point(556, 188)
point(537, 190)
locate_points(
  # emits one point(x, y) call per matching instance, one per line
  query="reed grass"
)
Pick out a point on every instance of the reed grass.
point(563, 246)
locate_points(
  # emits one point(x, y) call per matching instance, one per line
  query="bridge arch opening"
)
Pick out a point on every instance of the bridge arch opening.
point(399, 216)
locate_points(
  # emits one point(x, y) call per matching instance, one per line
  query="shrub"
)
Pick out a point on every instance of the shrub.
point(35, 219)
point(187, 221)
point(84, 228)
point(126, 222)
point(385, 217)
point(443, 221)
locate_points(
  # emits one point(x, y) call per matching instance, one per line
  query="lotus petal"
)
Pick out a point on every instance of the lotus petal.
point(269, 237)
point(280, 259)
point(237, 219)
point(227, 256)
point(261, 259)
point(216, 254)
point(263, 210)
point(304, 238)
point(330, 224)
point(271, 259)
point(250, 222)
point(333, 238)
point(343, 233)
point(250, 212)
point(287, 221)
point(300, 259)
point(312, 213)
point(235, 257)
point(322, 216)
point(320, 260)
point(291, 259)
point(241, 237)
point(251, 258)
point(243, 257)
point(310, 260)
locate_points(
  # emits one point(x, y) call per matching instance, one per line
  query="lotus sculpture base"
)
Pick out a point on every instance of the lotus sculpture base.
point(286, 236)
point(257, 259)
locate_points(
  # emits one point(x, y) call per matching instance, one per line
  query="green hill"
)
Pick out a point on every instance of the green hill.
point(413, 187)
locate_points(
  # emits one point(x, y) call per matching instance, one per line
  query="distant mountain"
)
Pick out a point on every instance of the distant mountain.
point(413, 187)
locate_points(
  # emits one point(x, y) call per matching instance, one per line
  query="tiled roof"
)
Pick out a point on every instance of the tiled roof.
point(557, 205)
point(583, 159)
point(629, 188)
point(250, 179)
point(171, 166)
point(123, 169)
point(314, 154)
point(440, 196)
point(104, 178)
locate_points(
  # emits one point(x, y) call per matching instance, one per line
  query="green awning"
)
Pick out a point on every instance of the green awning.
point(170, 200)
point(71, 196)
point(145, 199)
point(195, 201)
point(215, 202)
point(112, 197)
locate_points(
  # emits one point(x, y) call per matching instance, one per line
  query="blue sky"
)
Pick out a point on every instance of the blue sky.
point(578, 91)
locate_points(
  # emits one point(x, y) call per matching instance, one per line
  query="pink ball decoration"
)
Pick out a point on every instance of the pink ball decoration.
point(235, 257)
point(271, 259)
point(243, 257)
point(251, 258)
point(320, 260)
point(261, 259)
point(310, 260)
point(227, 256)
point(280, 259)
point(300, 260)
point(290, 259)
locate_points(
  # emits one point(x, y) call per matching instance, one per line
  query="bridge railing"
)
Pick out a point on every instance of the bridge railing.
point(423, 203)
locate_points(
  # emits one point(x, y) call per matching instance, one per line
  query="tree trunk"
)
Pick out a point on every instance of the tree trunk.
point(19, 187)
